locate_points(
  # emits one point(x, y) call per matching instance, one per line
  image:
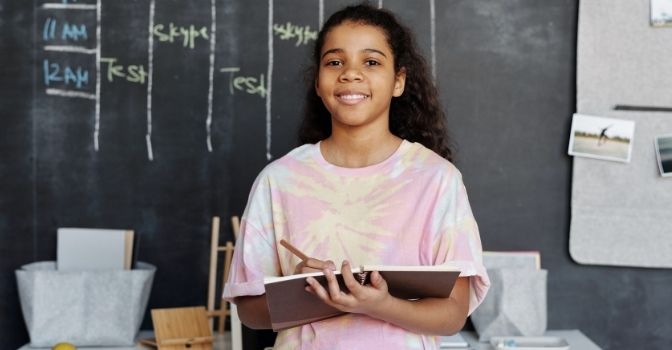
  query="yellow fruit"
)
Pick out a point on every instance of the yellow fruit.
point(64, 346)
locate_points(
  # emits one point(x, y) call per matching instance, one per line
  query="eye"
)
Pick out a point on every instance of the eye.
point(371, 63)
point(333, 63)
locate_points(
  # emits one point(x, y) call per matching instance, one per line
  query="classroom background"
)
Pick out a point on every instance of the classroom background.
point(169, 115)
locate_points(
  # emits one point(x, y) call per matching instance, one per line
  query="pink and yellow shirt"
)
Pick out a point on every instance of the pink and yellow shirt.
point(410, 209)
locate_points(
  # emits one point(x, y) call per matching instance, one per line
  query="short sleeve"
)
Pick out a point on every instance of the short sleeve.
point(255, 253)
point(457, 241)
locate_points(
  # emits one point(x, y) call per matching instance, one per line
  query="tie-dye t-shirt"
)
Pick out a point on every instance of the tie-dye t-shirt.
point(410, 209)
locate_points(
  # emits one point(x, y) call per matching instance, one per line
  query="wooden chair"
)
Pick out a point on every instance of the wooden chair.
point(184, 328)
point(225, 310)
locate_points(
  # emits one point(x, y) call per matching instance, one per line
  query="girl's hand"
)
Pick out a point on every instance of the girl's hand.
point(314, 265)
point(360, 299)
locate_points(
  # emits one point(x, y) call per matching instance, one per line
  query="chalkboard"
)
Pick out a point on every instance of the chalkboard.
point(156, 115)
point(16, 167)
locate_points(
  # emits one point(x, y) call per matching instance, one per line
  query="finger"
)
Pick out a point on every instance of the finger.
point(330, 265)
point(310, 265)
point(316, 264)
point(349, 280)
point(299, 268)
point(302, 268)
point(318, 289)
point(377, 280)
point(309, 270)
point(332, 284)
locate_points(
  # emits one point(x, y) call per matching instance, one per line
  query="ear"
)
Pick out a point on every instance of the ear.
point(399, 82)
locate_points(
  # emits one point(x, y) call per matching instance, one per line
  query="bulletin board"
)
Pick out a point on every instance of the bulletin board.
point(621, 211)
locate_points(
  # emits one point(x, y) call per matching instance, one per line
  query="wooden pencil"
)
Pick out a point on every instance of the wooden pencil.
point(294, 250)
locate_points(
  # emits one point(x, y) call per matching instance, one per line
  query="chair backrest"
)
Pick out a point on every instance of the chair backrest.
point(182, 328)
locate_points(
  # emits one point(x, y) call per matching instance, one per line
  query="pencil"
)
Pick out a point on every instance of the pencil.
point(294, 250)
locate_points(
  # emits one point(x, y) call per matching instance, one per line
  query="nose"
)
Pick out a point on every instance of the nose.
point(350, 74)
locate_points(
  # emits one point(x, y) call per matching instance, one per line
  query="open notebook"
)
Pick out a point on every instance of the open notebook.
point(290, 305)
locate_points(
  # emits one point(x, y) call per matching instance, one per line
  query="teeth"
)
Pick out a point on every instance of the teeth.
point(353, 97)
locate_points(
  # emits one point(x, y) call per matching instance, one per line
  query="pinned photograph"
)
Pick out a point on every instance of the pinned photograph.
point(661, 13)
point(601, 138)
point(664, 154)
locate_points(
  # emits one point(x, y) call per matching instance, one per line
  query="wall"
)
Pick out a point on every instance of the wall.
point(163, 157)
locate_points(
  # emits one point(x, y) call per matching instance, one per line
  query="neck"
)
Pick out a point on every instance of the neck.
point(358, 149)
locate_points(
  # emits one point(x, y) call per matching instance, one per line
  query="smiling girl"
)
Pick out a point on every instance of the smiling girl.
point(371, 184)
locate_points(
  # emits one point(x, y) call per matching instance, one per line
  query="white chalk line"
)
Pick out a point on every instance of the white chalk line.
point(150, 70)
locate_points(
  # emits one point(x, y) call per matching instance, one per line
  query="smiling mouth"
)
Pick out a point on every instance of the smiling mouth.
point(352, 99)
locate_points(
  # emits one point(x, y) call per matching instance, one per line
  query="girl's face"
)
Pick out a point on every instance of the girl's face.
point(356, 78)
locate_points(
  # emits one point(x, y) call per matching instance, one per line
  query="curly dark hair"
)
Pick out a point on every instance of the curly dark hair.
point(416, 115)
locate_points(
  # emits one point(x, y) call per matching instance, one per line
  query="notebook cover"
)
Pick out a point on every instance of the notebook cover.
point(290, 305)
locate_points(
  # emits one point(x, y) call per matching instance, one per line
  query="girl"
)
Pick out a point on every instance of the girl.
point(371, 184)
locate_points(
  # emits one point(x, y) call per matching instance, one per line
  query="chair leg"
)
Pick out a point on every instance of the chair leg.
point(236, 330)
point(212, 273)
point(228, 255)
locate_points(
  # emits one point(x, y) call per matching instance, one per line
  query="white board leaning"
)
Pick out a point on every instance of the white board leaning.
point(601, 138)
